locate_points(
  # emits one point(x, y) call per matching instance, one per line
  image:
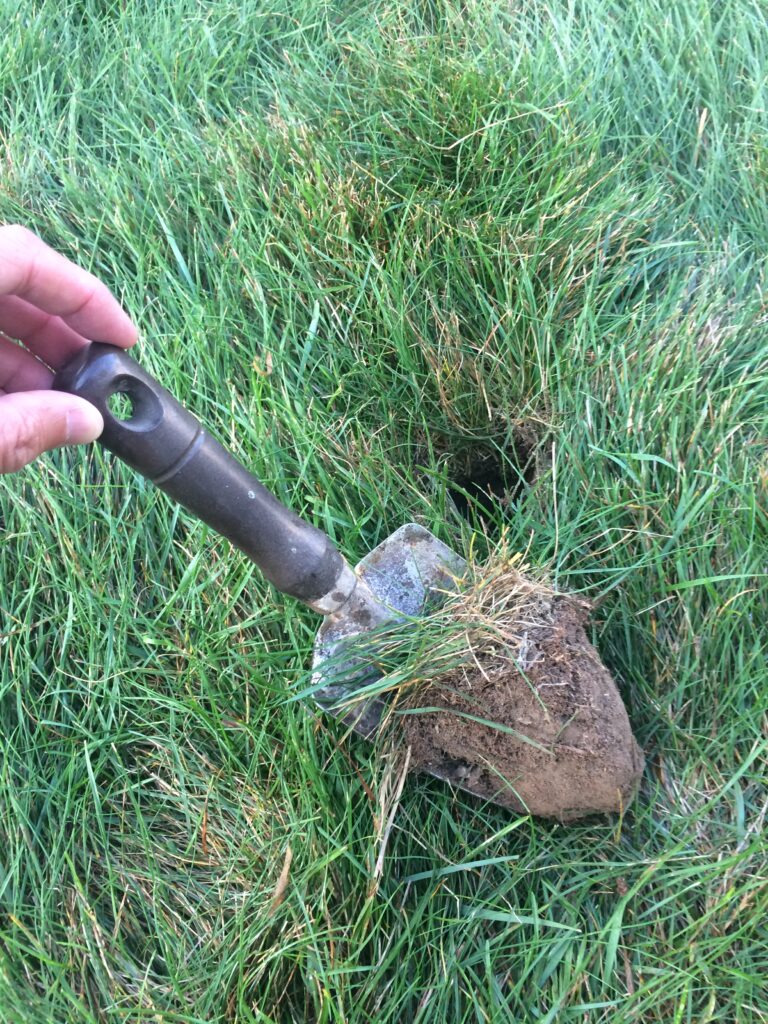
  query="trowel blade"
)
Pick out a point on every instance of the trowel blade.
point(406, 572)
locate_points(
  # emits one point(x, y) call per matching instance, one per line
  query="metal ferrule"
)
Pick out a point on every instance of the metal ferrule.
point(338, 595)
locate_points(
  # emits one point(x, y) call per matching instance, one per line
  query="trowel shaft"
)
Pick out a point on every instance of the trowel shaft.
point(164, 442)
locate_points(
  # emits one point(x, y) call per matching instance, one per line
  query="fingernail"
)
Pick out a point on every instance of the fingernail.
point(84, 423)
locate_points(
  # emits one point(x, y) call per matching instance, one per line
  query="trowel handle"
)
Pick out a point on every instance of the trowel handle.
point(165, 443)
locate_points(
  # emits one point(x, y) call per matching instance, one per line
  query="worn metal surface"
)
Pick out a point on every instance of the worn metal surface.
point(397, 580)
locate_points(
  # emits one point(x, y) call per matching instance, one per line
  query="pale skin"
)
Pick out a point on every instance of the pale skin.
point(49, 309)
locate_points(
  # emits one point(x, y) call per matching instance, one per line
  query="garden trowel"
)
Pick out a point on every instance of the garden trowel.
point(396, 581)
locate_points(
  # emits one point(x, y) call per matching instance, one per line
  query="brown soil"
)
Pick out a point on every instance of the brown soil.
point(575, 754)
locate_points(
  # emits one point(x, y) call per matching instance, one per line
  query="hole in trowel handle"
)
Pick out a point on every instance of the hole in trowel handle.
point(120, 404)
point(132, 404)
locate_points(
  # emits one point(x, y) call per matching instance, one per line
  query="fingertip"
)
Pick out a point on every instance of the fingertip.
point(125, 332)
point(33, 422)
point(84, 422)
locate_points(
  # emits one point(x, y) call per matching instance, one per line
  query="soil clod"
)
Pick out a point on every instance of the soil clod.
point(529, 716)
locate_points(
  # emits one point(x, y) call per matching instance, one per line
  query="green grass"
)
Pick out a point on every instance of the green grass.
point(359, 238)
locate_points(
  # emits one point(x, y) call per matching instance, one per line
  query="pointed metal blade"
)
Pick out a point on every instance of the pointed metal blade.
point(400, 577)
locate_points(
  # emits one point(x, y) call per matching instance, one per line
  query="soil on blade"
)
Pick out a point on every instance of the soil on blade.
point(559, 744)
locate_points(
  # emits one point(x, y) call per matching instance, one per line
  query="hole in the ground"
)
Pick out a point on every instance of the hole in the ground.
point(488, 476)
point(485, 475)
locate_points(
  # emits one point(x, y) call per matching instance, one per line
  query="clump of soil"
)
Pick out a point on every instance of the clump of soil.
point(530, 718)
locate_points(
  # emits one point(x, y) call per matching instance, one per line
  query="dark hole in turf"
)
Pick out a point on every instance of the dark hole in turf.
point(488, 477)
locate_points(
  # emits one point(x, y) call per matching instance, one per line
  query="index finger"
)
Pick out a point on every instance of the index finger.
point(32, 271)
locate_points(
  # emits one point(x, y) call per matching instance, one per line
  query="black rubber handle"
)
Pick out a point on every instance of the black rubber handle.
point(168, 445)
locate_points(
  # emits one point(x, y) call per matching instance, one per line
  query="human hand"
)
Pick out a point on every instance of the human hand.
point(53, 308)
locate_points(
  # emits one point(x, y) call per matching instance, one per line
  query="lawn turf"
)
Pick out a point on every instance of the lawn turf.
point(360, 240)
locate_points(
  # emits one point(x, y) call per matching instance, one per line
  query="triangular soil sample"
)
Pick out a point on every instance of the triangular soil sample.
point(537, 725)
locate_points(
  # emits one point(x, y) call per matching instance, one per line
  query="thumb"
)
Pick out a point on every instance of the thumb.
point(32, 422)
